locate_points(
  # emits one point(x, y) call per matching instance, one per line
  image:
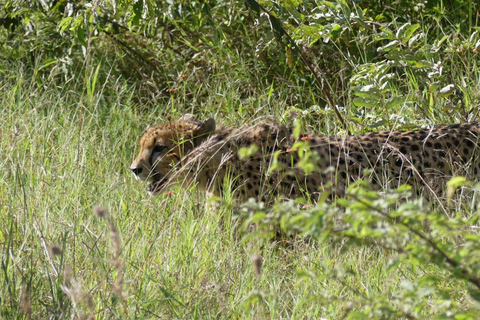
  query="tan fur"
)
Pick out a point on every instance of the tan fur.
point(191, 152)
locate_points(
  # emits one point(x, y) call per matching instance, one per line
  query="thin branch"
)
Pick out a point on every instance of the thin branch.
point(465, 274)
point(309, 66)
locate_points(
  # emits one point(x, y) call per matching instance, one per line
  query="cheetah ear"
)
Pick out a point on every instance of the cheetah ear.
point(208, 125)
point(203, 129)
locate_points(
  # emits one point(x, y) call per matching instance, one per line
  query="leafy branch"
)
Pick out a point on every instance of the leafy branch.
point(464, 273)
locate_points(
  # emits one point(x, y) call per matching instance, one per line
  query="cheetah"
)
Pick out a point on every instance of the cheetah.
point(270, 160)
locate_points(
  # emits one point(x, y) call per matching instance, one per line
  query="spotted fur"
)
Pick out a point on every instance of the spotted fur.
point(188, 152)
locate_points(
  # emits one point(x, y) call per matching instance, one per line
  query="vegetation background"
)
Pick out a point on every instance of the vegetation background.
point(81, 80)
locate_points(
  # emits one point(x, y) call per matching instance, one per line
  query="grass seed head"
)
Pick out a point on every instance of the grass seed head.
point(55, 250)
point(257, 264)
point(100, 211)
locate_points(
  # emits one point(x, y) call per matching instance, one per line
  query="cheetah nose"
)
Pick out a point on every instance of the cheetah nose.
point(136, 171)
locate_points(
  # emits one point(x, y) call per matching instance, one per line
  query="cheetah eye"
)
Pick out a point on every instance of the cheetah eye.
point(158, 149)
point(156, 152)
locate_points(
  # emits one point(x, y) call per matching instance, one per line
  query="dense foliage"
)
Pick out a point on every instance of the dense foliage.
point(80, 81)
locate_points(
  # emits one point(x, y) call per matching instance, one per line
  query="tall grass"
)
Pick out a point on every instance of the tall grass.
point(81, 239)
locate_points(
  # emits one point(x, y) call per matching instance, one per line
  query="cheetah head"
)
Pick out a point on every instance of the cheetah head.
point(163, 147)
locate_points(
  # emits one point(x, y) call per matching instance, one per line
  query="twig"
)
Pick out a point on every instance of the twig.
point(464, 273)
point(305, 61)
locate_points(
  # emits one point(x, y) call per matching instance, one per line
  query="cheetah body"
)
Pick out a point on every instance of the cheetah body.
point(189, 152)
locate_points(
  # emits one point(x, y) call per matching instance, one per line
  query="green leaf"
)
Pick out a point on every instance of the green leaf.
point(395, 101)
point(422, 64)
point(429, 279)
point(368, 91)
point(253, 5)
point(81, 35)
point(389, 46)
point(414, 39)
point(329, 4)
point(362, 102)
point(336, 31)
point(446, 91)
point(466, 315)
point(47, 62)
point(472, 237)
point(457, 182)
point(276, 26)
point(385, 35)
point(65, 23)
point(246, 152)
point(406, 31)
point(357, 315)
point(137, 10)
